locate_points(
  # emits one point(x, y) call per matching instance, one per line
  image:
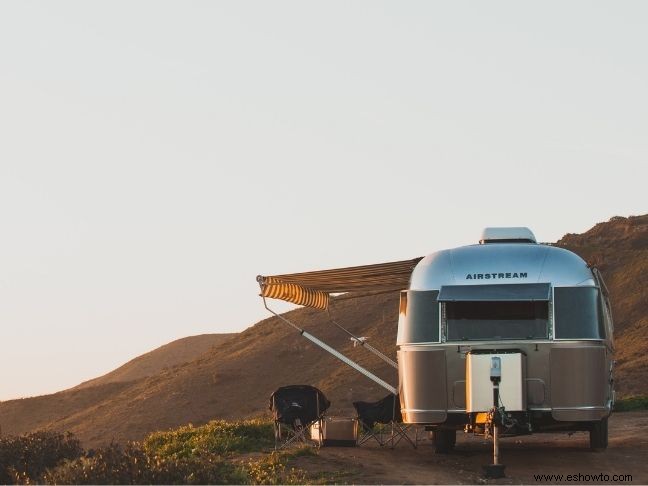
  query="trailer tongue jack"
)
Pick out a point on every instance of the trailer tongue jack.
point(495, 470)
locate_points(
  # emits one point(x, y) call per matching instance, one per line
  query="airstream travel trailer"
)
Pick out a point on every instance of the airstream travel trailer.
point(539, 308)
point(534, 315)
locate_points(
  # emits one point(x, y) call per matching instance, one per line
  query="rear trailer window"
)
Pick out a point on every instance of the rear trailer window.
point(578, 313)
point(495, 320)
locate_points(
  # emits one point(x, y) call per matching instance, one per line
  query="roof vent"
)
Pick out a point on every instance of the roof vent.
point(507, 235)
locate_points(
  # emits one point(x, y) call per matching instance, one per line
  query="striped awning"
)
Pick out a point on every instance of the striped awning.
point(313, 289)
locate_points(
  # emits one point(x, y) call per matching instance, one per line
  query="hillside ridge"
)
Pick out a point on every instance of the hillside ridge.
point(168, 355)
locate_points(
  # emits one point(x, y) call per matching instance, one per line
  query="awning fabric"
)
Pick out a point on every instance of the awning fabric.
point(313, 289)
point(498, 292)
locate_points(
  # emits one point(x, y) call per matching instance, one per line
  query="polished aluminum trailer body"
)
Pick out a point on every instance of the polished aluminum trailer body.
point(554, 313)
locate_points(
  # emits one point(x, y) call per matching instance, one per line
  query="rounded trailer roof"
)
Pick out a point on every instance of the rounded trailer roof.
point(501, 263)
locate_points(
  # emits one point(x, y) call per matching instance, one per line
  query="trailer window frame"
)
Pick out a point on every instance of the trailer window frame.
point(602, 325)
point(605, 305)
point(545, 338)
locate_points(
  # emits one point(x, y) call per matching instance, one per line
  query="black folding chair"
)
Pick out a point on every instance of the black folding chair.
point(295, 409)
point(385, 411)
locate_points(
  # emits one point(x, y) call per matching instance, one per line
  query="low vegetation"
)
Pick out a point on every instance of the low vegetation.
point(27, 457)
point(628, 404)
point(217, 437)
point(217, 453)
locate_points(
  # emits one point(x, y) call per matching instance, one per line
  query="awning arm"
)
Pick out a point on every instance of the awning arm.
point(332, 351)
point(363, 342)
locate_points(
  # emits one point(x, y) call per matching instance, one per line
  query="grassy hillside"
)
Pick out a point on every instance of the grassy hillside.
point(171, 354)
point(230, 381)
point(234, 379)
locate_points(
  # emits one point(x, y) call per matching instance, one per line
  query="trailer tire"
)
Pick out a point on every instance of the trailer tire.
point(599, 435)
point(443, 440)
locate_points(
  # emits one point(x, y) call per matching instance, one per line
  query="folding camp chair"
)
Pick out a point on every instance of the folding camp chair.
point(385, 411)
point(295, 408)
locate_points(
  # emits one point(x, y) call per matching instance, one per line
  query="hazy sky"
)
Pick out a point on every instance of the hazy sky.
point(156, 156)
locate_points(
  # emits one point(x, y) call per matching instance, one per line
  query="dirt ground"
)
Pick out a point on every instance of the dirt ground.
point(524, 457)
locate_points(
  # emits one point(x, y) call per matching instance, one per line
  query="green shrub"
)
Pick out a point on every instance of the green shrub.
point(631, 403)
point(273, 470)
point(110, 465)
point(187, 455)
point(217, 437)
point(26, 457)
point(132, 465)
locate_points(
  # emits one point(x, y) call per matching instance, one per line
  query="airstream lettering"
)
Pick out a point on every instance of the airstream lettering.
point(552, 332)
point(488, 276)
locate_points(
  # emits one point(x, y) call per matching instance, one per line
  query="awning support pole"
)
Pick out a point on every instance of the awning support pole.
point(334, 352)
point(363, 343)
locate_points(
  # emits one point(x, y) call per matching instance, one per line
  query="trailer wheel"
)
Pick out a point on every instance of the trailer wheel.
point(599, 435)
point(444, 440)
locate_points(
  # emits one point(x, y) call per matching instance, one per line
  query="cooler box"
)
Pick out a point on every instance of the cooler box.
point(336, 431)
